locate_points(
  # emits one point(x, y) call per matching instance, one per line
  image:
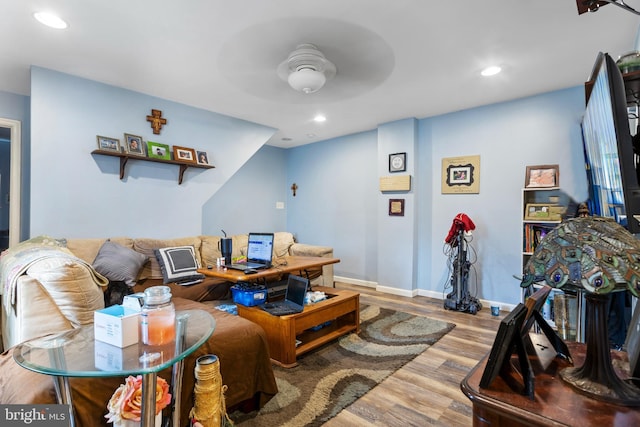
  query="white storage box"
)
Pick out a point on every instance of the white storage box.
point(116, 325)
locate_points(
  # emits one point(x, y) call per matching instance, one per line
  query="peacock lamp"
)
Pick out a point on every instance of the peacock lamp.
point(597, 255)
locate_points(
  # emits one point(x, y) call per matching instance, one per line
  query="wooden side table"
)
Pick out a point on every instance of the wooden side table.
point(555, 403)
point(341, 308)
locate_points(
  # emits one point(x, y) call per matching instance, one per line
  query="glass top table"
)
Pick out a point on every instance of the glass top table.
point(67, 354)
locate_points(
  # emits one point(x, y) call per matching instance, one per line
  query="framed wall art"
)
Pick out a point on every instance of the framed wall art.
point(398, 162)
point(133, 144)
point(461, 175)
point(396, 207)
point(542, 176)
point(184, 154)
point(202, 158)
point(106, 143)
point(538, 211)
point(155, 150)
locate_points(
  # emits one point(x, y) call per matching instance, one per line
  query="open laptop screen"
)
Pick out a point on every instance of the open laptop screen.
point(296, 289)
point(260, 247)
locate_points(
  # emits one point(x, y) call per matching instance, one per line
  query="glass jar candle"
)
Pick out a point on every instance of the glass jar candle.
point(158, 316)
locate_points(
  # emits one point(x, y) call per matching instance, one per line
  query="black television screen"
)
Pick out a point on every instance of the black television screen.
point(610, 160)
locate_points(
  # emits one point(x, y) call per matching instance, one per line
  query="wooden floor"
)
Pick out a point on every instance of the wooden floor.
point(426, 391)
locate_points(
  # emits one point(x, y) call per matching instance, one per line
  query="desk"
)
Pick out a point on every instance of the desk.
point(72, 354)
point(555, 402)
point(291, 264)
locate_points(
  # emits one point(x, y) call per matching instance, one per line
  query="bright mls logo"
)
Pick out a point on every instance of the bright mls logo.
point(35, 415)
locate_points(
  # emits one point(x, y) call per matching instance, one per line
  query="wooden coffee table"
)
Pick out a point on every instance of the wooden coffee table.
point(341, 309)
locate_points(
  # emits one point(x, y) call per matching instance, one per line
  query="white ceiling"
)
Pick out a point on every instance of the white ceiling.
point(395, 59)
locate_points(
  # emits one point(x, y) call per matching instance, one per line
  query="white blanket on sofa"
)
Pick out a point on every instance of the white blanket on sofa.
point(16, 262)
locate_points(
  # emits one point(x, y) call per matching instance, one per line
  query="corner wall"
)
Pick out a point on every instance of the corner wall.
point(76, 194)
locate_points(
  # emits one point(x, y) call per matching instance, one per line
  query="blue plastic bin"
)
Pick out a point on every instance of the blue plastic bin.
point(249, 295)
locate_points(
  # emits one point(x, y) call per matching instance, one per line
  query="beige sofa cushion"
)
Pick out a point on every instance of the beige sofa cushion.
point(152, 270)
point(72, 285)
point(281, 243)
point(87, 249)
point(35, 314)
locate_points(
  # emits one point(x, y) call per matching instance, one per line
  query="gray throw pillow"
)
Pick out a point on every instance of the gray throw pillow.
point(118, 263)
point(178, 264)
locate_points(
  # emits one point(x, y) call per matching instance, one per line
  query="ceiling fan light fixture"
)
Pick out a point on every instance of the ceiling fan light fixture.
point(306, 69)
point(307, 80)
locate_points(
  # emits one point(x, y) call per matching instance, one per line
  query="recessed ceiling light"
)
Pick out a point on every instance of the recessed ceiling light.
point(319, 118)
point(286, 138)
point(50, 20)
point(311, 135)
point(491, 71)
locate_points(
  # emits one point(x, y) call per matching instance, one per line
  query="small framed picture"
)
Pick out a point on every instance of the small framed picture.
point(155, 150)
point(133, 144)
point(542, 176)
point(106, 143)
point(396, 207)
point(184, 154)
point(538, 211)
point(397, 162)
point(203, 158)
point(460, 175)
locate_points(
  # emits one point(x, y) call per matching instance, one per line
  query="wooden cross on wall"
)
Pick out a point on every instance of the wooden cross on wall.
point(156, 121)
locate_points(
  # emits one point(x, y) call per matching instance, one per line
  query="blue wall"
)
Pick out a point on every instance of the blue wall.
point(247, 201)
point(76, 194)
point(338, 202)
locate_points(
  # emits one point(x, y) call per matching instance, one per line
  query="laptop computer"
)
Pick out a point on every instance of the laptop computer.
point(294, 299)
point(259, 252)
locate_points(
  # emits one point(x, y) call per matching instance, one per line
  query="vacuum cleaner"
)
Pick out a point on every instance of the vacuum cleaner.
point(459, 299)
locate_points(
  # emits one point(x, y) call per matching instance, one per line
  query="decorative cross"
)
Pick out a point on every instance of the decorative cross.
point(294, 187)
point(156, 121)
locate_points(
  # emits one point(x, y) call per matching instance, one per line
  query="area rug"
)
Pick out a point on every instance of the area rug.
point(332, 377)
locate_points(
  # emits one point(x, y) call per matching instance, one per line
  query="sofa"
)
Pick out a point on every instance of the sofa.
point(60, 283)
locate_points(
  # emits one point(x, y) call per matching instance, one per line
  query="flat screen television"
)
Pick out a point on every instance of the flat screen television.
point(609, 153)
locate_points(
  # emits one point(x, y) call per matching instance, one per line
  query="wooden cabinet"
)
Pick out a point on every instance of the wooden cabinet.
point(555, 403)
point(125, 157)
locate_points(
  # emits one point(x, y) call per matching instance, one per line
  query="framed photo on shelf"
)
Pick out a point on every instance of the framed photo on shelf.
point(184, 154)
point(396, 207)
point(133, 144)
point(106, 143)
point(398, 162)
point(155, 150)
point(202, 157)
point(538, 211)
point(542, 176)
point(503, 345)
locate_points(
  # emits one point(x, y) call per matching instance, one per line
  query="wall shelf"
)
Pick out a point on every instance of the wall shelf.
point(124, 158)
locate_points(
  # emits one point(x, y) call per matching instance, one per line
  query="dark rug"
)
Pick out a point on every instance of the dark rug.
point(332, 377)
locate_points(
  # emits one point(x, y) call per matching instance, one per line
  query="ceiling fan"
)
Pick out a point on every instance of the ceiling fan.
point(594, 5)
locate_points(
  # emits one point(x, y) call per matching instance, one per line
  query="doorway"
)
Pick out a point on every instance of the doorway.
point(11, 183)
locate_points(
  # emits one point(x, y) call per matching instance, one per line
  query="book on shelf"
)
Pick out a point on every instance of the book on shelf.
point(533, 235)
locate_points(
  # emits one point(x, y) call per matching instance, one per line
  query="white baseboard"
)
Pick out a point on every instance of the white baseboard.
point(414, 292)
point(356, 282)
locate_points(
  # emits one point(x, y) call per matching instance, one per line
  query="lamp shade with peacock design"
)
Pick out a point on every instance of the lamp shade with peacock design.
point(600, 256)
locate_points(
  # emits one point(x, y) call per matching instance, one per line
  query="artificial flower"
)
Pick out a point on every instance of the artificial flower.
point(126, 402)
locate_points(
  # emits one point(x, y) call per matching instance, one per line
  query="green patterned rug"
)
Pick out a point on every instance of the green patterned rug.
point(332, 377)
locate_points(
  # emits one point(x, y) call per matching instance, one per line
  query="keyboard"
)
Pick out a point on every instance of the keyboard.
point(278, 310)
